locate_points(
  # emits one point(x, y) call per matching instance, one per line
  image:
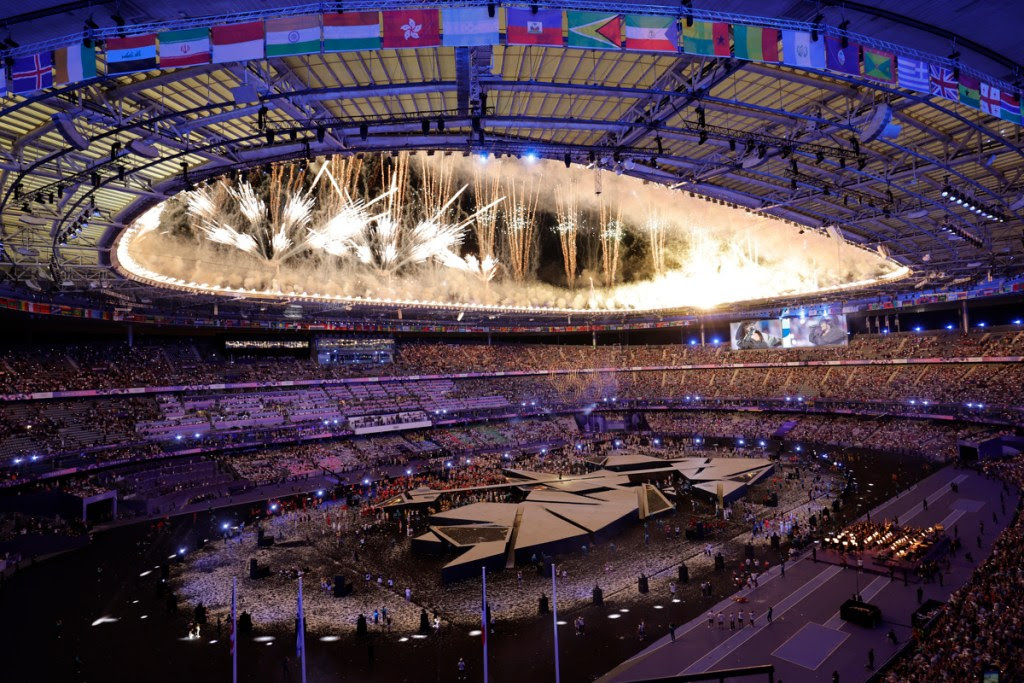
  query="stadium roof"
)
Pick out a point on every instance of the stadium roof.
point(805, 144)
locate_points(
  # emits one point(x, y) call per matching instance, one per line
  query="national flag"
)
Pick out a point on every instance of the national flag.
point(527, 28)
point(842, 59)
point(594, 29)
point(468, 26)
point(706, 38)
point(298, 35)
point(187, 47)
point(412, 28)
point(912, 74)
point(32, 73)
point(969, 90)
point(351, 31)
point(134, 53)
point(798, 49)
point(1010, 107)
point(991, 100)
point(942, 83)
point(74, 63)
point(237, 42)
point(755, 44)
point(879, 65)
point(657, 34)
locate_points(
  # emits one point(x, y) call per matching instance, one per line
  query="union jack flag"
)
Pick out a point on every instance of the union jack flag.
point(943, 84)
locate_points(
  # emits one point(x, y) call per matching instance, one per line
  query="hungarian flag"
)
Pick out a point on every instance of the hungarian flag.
point(657, 34)
point(289, 36)
point(351, 31)
point(237, 42)
point(969, 90)
point(879, 65)
point(412, 28)
point(187, 47)
point(756, 44)
point(1010, 107)
point(942, 83)
point(842, 59)
point(798, 49)
point(911, 73)
point(74, 63)
point(32, 73)
point(134, 53)
point(468, 26)
point(706, 38)
point(594, 29)
point(527, 28)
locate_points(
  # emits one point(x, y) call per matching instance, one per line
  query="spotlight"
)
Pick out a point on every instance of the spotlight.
point(440, 124)
point(118, 19)
point(90, 23)
point(364, 131)
point(321, 132)
point(425, 126)
point(817, 23)
point(270, 137)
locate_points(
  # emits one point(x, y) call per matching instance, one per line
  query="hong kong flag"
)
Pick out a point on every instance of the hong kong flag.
point(411, 28)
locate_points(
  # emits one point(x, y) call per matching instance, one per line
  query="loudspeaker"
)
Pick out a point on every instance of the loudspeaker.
point(341, 587)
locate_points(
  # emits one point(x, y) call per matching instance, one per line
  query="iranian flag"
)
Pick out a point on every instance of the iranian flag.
point(351, 31)
point(657, 34)
point(237, 42)
point(287, 36)
point(188, 47)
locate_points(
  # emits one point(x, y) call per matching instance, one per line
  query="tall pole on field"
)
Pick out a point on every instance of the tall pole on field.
point(554, 618)
point(234, 631)
point(484, 622)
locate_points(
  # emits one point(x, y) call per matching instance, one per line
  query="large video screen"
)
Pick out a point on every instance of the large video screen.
point(756, 334)
point(815, 330)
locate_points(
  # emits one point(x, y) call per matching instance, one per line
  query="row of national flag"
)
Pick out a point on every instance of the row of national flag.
point(469, 26)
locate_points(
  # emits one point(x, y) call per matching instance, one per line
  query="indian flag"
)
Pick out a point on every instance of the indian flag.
point(351, 31)
point(293, 35)
point(237, 42)
point(188, 47)
point(73, 63)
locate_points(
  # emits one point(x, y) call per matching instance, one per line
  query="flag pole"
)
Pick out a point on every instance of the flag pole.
point(300, 637)
point(234, 631)
point(554, 617)
point(483, 621)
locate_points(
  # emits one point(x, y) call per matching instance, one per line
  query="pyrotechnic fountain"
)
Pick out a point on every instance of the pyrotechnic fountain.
point(394, 229)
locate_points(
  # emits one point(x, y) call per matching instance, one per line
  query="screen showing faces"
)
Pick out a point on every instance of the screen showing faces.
point(817, 330)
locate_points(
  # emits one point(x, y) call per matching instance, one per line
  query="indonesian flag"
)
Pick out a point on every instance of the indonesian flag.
point(412, 28)
point(237, 42)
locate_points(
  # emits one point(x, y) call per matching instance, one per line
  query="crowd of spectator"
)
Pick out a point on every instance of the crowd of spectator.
point(980, 629)
point(189, 362)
